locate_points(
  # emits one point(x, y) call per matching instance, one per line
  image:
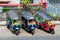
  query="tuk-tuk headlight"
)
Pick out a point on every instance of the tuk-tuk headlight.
point(52, 22)
point(17, 28)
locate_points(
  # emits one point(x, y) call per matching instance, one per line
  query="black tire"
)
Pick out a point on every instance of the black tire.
point(38, 27)
point(17, 32)
point(32, 32)
point(52, 31)
point(7, 26)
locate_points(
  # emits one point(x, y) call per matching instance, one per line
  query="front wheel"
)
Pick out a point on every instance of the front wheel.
point(17, 32)
point(52, 31)
point(32, 32)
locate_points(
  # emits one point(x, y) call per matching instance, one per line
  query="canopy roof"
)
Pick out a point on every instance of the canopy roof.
point(13, 15)
point(44, 15)
point(27, 15)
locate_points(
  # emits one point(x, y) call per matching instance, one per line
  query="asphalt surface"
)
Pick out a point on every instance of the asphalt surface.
point(32, 38)
point(6, 34)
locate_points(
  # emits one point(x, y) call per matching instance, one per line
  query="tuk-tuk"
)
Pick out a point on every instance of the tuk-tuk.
point(44, 21)
point(13, 22)
point(28, 21)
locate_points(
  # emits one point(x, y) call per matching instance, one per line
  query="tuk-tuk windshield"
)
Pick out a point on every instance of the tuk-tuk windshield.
point(40, 19)
point(17, 20)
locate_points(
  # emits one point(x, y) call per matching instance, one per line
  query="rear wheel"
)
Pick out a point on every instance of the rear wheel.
point(7, 26)
point(38, 27)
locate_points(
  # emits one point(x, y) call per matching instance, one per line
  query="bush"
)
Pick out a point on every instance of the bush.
point(5, 9)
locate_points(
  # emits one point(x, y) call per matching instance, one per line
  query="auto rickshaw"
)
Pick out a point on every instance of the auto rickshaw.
point(44, 22)
point(28, 22)
point(13, 22)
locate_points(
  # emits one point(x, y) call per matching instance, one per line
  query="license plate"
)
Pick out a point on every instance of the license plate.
point(53, 27)
point(17, 28)
point(32, 27)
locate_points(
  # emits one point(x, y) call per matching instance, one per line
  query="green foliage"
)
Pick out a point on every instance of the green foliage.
point(5, 9)
point(25, 2)
point(37, 8)
point(52, 14)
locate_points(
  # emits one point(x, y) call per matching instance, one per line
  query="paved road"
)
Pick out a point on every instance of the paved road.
point(6, 34)
point(32, 38)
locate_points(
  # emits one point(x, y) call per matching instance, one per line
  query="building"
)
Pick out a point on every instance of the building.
point(42, 1)
point(15, 1)
point(4, 1)
point(54, 1)
point(38, 1)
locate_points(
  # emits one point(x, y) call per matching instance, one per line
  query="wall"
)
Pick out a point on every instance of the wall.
point(15, 1)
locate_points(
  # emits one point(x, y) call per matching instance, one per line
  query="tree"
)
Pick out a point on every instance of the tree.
point(24, 2)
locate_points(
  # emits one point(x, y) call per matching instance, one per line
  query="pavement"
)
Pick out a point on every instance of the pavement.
point(32, 38)
point(6, 34)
